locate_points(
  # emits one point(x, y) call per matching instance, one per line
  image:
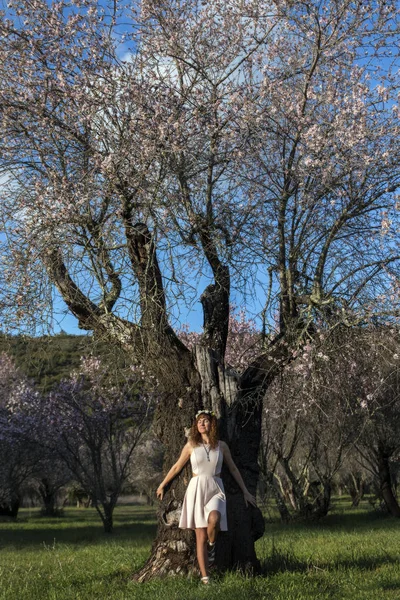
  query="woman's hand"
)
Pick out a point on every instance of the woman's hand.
point(160, 491)
point(249, 498)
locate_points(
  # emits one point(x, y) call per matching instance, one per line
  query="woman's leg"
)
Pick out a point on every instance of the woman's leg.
point(201, 547)
point(213, 527)
point(214, 520)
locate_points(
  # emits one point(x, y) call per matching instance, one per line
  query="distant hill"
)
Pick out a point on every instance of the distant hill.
point(48, 359)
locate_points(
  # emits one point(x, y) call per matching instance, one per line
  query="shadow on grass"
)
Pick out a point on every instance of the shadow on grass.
point(343, 521)
point(285, 561)
point(390, 586)
point(130, 513)
point(359, 520)
point(79, 527)
point(75, 535)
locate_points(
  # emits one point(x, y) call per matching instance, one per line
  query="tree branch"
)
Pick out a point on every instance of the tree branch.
point(111, 296)
point(90, 316)
point(162, 344)
point(142, 253)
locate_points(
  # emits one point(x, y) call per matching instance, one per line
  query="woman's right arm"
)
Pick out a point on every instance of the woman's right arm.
point(175, 469)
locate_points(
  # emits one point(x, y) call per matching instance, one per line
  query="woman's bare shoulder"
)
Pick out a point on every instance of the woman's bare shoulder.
point(189, 446)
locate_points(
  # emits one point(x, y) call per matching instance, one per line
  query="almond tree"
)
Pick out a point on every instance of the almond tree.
point(310, 426)
point(23, 462)
point(364, 369)
point(92, 427)
point(50, 478)
point(338, 404)
point(378, 445)
point(254, 144)
point(18, 460)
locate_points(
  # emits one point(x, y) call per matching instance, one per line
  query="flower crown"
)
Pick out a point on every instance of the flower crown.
point(205, 412)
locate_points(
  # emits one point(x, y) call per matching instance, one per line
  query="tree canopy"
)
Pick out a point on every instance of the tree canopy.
point(252, 146)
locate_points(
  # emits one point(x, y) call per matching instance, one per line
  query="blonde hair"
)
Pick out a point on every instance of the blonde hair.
point(195, 435)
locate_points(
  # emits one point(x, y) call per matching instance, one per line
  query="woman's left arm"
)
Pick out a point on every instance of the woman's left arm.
point(236, 474)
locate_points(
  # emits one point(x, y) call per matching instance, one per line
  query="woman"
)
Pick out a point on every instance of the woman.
point(204, 505)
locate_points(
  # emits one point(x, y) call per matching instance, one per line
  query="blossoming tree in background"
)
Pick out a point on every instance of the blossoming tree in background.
point(172, 151)
point(337, 404)
point(92, 425)
point(18, 460)
point(243, 344)
point(376, 366)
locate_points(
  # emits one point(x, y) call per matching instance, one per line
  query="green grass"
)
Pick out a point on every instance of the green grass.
point(351, 554)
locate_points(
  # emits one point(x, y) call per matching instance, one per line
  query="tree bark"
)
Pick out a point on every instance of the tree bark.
point(108, 518)
point(48, 496)
point(11, 509)
point(278, 496)
point(173, 550)
point(385, 482)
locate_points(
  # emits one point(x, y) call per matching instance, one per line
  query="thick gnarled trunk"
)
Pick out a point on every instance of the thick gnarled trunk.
point(173, 550)
point(237, 403)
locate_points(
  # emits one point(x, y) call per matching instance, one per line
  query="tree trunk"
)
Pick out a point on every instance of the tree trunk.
point(107, 517)
point(105, 510)
point(48, 497)
point(235, 548)
point(238, 404)
point(385, 482)
point(355, 486)
point(278, 496)
point(245, 525)
point(11, 509)
point(173, 551)
point(323, 501)
point(299, 499)
point(49, 505)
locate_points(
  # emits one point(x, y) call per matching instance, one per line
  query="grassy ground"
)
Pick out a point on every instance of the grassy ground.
point(351, 554)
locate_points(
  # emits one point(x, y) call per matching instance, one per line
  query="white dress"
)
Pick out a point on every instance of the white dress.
point(205, 491)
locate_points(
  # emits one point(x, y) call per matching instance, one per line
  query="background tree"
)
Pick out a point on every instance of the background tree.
point(49, 480)
point(354, 479)
point(378, 445)
point(92, 426)
point(367, 372)
point(251, 145)
point(18, 460)
point(308, 431)
point(18, 463)
point(334, 408)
